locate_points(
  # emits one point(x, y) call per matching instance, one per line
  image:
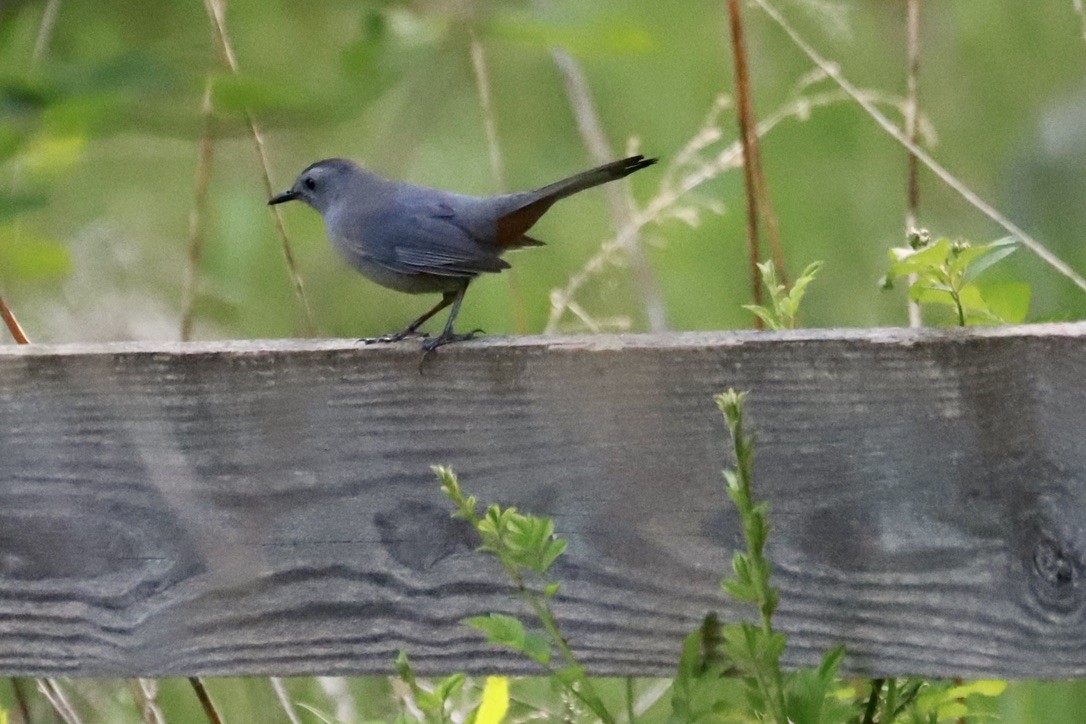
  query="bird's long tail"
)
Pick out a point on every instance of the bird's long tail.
point(512, 226)
point(607, 172)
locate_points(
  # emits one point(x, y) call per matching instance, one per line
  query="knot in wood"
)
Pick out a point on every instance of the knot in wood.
point(1058, 575)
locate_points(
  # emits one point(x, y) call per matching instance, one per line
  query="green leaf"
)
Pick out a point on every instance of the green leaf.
point(765, 315)
point(448, 686)
point(25, 255)
point(537, 646)
point(1008, 300)
point(795, 295)
point(993, 253)
point(981, 687)
point(508, 631)
point(905, 261)
point(811, 694)
point(500, 629)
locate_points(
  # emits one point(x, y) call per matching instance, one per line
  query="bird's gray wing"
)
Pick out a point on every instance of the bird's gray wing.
point(434, 239)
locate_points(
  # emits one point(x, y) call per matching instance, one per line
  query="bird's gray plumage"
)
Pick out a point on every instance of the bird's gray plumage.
point(416, 239)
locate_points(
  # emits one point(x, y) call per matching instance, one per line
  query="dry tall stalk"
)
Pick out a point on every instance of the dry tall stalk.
point(284, 699)
point(834, 73)
point(217, 15)
point(912, 105)
point(198, 216)
point(12, 323)
point(145, 693)
point(757, 191)
point(52, 692)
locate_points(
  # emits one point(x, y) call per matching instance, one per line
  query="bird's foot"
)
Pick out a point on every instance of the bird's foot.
point(431, 344)
point(394, 337)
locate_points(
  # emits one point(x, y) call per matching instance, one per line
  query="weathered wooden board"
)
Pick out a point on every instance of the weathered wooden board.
point(267, 507)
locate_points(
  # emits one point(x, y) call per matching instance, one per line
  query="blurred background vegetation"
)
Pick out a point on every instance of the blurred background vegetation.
point(102, 131)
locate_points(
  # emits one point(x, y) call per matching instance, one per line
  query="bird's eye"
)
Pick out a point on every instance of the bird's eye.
point(309, 183)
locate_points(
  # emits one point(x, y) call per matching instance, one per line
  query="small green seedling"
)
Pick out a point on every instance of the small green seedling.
point(784, 303)
point(946, 273)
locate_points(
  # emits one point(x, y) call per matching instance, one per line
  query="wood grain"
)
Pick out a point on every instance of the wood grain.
point(268, 508)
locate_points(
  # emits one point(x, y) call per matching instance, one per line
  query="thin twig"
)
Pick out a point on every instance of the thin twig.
point(217, 16)
point(497, 167)
point(747, 139)
point(912, 106)
point(831, 70)
point(144, 692)
point(284, 699)
point(618, 194)
point(12, 323)
point(51, 690)
point(45, 31)
point(198, 215)
point(21, 699)
point(210, 711)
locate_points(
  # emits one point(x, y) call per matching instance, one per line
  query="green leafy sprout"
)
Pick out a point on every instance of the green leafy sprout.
point(784, 303)
point(946, 273)
point(526, 546)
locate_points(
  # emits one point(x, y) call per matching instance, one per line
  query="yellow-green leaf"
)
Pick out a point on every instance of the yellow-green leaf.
point(495, 701)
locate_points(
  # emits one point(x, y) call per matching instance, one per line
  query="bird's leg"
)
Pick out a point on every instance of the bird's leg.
point(447, 335)
point(411, 330)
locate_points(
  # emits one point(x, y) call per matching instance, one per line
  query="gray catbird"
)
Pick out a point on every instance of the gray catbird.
point(416, 239)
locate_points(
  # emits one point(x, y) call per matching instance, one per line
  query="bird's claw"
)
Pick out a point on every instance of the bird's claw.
point(431, 344)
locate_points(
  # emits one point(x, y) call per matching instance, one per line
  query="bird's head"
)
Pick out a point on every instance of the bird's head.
point(320, 184)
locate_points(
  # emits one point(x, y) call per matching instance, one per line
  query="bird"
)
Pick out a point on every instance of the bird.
point(423, 240)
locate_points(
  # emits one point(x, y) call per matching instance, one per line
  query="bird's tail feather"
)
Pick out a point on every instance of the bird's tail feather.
point(512, 226)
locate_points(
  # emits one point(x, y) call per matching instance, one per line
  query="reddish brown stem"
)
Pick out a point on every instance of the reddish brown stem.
point(12, 324)
point(757, 194)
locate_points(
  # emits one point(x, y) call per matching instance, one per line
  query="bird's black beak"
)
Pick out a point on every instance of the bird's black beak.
point(288, 195)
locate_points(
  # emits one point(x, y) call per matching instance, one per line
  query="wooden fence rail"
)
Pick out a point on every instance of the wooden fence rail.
point(267, 507)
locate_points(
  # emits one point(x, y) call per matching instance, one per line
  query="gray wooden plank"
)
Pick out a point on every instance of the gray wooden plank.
point(267, 507)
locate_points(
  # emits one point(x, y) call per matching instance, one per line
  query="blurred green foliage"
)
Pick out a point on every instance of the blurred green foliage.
point(99, 141)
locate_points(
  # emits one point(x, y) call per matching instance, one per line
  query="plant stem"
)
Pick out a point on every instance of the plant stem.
point(208, 705)
point(770, 682)
point(873, 701)
point(912, 182)
point(198, 214)
point(12, 324)
point(630, 699)
point(543, 612)
point(747, 140)
point(956, 296)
